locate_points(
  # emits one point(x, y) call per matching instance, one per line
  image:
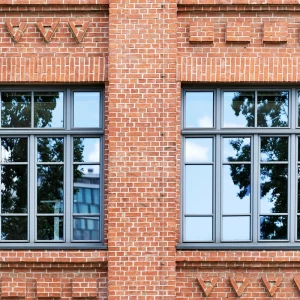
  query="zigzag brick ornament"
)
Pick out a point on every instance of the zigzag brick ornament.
point(239, 284)
point(16, 30)
point(79, 29)
point(271, 284)
point(207, 284)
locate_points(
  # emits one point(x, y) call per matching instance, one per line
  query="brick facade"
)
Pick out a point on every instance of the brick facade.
point(142, 52)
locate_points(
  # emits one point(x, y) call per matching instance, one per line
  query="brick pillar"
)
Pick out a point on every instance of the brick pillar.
point(142, 187)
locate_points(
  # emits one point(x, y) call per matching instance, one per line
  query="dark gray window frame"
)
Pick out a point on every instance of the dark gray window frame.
point(292, 131)
point(68, 131)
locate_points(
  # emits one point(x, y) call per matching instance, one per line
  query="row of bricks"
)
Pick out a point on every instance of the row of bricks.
point(50, 287)
point(239, 32)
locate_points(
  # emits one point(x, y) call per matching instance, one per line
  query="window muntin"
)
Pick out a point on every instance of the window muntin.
point(246, 198)
point(45, 163)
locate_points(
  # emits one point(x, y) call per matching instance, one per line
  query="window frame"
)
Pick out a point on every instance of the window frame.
point(68, 132)
point(218, 132)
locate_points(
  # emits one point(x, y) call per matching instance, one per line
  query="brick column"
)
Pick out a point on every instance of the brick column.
point(142, 188)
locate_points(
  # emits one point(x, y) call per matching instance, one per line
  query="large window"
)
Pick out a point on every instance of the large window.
point(51, 167)
point(241, 168)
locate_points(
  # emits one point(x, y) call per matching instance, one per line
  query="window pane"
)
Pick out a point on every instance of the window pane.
point(50, 189)
point(198, 189)
point(273, 109)
point(16, 109)
point(86, 149)
point(236, 228)
point(198, 229)
point(236, 188)
point(273, 227)
point(50, 228)
point(48, 109)
point(86, 191)
point(14, 149)
point(199, 150)
point(298, 227)
point(14, 185)
point(86, 228)
point(298, 189)
point(14, 228)
point(237, 149)
point(274, 148)
point(50, 149)
point(86, 109)
point(273, 188)
point(239, 109)
point(199, 108)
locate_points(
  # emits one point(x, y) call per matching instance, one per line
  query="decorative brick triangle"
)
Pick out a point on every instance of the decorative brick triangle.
point(297, 281)
point(207, 288)
point(79, 29)
point(239, 289)
point(16, 30)
point(271, 288)
point(47, 30)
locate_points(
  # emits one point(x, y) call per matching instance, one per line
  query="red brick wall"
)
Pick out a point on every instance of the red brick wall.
point(142, 51)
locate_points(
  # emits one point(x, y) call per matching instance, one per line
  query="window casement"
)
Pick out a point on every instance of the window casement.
point(241, 168)
point(51, 160)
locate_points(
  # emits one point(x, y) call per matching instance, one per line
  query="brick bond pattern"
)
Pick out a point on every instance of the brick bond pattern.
point(142, 51)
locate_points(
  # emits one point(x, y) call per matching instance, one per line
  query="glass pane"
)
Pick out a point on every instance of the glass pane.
point(199, 150)
point(86, 191)
point(198, 189)
point(48, 109)
point(239, 109)
point(14, 185)
point(14, 228)
point(50, 149)
point(236, 228)
point(199, 108)
point(298, 227)
point(50, 228)
point(198, 229)
point(237, 149)
point(50, 189)
point(298, 189)
point(273, 109)
point(86, 109)
point(236, 188)
point(14, 149)
point(86, 228)
point(87, 149)
point(273, 188)
point(273, 227)
point(16, 109)
point(274, 148)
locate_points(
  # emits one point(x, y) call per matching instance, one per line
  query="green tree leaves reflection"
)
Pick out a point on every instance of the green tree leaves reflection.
point(272, 111)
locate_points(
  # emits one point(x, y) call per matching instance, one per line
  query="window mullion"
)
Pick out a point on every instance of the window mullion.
point(292, 192)
point(68, 188)
point(217, 180)
point(32, 196)
point(255, 187)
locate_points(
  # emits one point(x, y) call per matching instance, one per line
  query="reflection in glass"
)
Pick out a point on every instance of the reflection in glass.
point(199, 108)
point(86, 109)
point(274, 148)
point(14, 149)
point(236, 228)
point(16, 109)
point(14, 228)
point(272, 109)
point(50, 228)
point(273, 188)
point(50, 149)
point(198, 189)
point(298, 189)
point(198, 229)
point(273, 227)
point(239, 109)
point(86, 149)
point(86, 228)
point(236, 196)
point(86, 189)
point(14, 189)
point(199, 150)
point(50, 188)
point(48, 109)
point(298, 227)
point(237, 149)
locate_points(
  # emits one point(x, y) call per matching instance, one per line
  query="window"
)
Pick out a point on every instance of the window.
point(51, 167)
point(241, 168)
